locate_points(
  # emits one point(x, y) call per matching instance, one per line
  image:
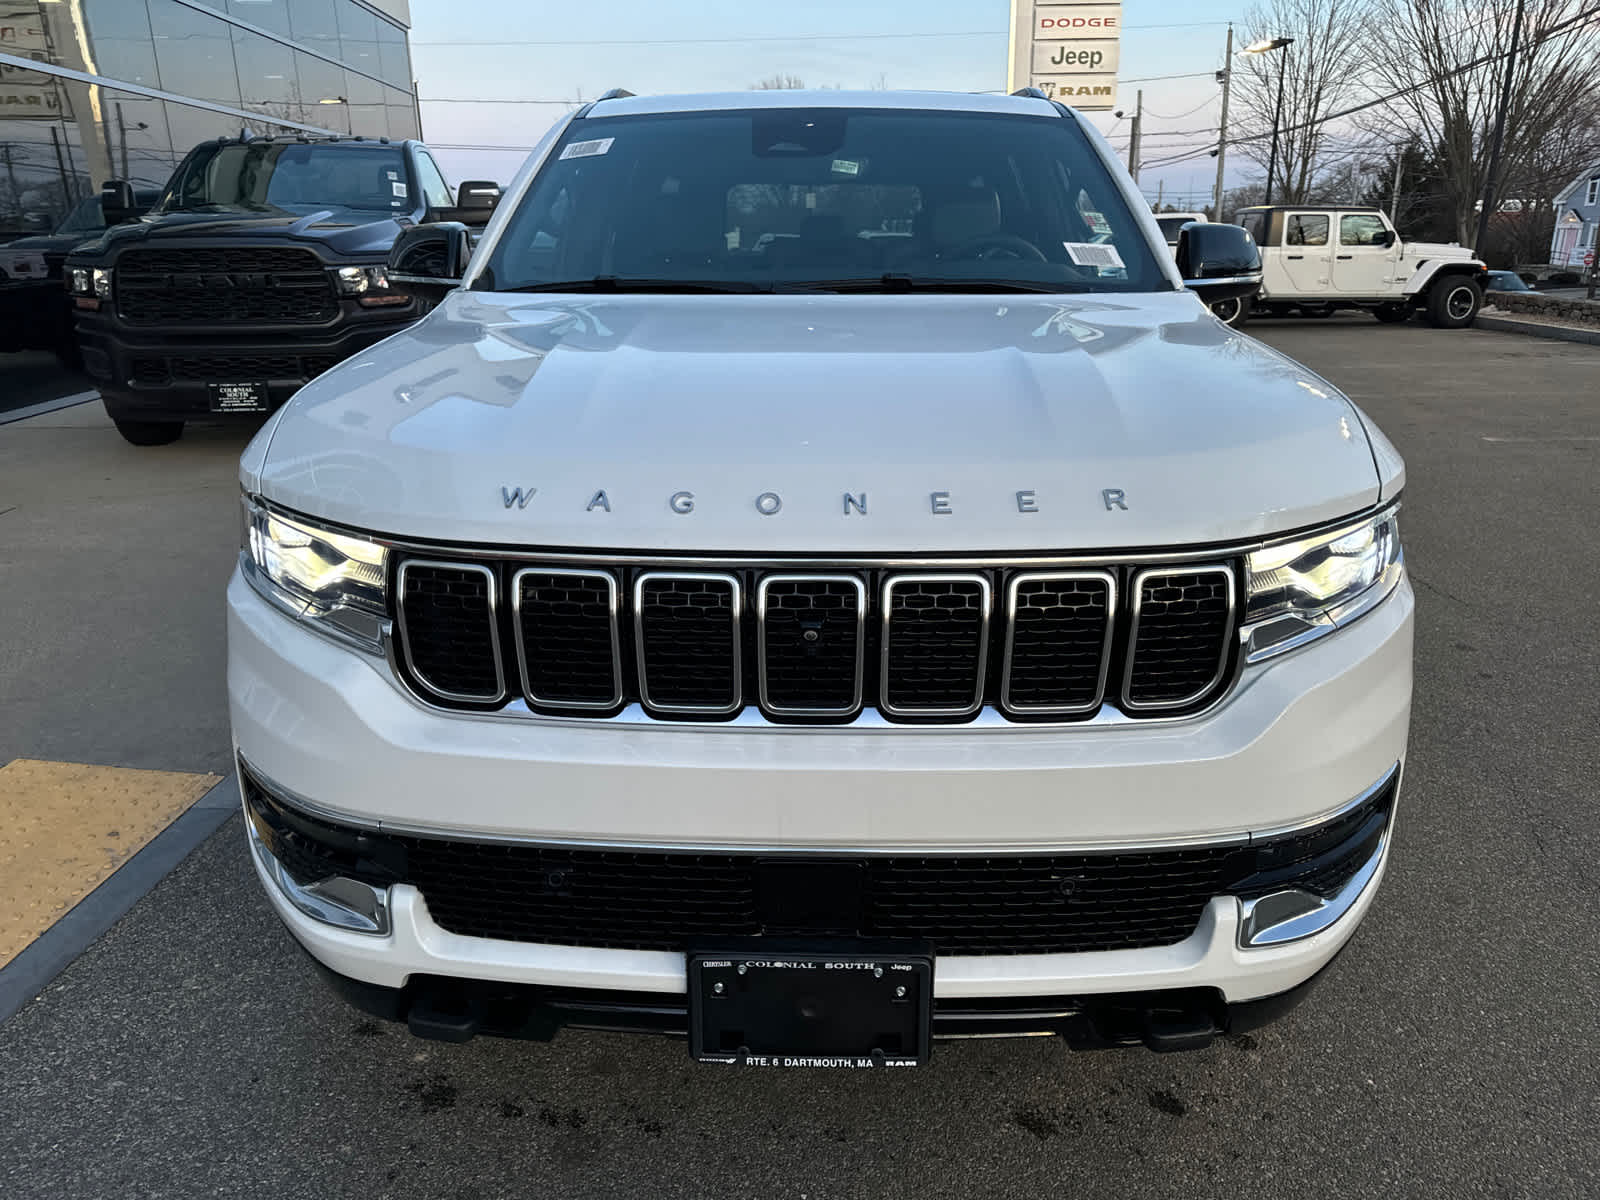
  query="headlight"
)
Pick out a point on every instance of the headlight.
point(102, 282)
point(333, 579)
point(80, 281)
point(371, 284)
point(1300, 590)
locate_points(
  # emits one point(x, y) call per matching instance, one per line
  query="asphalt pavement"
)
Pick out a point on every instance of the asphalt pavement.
point(1453, 1050)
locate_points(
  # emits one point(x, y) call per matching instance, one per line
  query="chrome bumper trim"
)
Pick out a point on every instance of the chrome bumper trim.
point(338, 901)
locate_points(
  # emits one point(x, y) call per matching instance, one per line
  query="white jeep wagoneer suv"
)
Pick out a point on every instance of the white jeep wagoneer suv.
point(807, 587)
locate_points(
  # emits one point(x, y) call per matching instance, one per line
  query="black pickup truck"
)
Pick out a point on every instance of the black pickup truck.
point(261, 266)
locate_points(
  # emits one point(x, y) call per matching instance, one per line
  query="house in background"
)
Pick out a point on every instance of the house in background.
point(1577, 218)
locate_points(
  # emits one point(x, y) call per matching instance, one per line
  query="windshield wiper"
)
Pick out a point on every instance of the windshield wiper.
point(619, 283)
point(894, 282)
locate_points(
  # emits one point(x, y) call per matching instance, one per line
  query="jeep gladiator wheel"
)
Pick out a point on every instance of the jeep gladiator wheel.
point(150, 433)
point(1393, 314)
point(1453, 303)
point(1234, 312)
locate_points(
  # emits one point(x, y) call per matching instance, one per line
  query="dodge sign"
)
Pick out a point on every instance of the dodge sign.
point(1067, 49)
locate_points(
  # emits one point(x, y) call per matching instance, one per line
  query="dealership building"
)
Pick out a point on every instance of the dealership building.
point(92, 90)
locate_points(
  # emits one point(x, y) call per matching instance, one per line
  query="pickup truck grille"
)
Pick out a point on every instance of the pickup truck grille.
point(816, 646)
point(233, 286)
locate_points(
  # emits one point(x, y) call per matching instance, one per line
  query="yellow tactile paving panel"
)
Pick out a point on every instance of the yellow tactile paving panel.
point(65, 827)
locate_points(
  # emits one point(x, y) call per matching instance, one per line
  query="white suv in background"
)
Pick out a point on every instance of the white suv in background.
point(721, 617)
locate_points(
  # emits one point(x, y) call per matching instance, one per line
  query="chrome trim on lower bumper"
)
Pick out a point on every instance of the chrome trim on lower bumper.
point(338, 901)
point(1292, 914)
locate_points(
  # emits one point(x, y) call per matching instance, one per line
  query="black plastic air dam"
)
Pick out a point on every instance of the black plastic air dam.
point(437, 1008)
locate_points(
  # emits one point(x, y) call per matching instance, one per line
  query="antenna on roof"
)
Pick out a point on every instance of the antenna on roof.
point(1032, 93)
point(617, 94)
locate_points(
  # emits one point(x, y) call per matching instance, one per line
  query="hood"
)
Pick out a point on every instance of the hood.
point(343, 232)
point(1436, 250)
point(767, 423)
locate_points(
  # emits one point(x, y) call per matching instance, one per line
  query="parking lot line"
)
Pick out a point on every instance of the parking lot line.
point(65, 827)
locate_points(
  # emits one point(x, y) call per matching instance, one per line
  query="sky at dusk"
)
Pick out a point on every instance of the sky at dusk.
point(542, 56)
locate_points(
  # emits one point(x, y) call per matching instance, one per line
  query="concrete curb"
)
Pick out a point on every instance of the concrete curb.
point(30, 972)
point(1560, 333)
point(48, 406)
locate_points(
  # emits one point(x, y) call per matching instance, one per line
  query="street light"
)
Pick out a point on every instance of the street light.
point(349, 127)
point(1266, 46)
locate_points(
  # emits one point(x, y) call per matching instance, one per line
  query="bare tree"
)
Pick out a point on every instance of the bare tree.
point(1322, 71)
point(1446, 58)
point(779, 83)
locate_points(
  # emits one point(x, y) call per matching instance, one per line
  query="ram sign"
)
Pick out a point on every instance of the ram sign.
point(1067, 49)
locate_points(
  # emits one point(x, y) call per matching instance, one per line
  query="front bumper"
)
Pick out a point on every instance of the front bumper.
point(151, 374)
point(1297, 740)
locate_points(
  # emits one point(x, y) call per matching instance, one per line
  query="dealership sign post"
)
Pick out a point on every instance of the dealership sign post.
point(1068, 49)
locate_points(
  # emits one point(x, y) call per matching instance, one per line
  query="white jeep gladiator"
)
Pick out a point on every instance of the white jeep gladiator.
point(1318, 260)
point(804, 590)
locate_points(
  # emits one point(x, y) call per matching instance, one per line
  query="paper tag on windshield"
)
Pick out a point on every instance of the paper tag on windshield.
point(1094, 254)
point(588, 149)
point(399, 189)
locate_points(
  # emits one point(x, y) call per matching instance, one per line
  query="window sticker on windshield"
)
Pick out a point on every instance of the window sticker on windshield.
point(1094, 254)
point(844, 166)
point(399, 189)
point(392, 174)
point(592, 149)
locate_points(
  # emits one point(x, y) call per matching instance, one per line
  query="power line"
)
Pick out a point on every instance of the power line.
point(740, 41)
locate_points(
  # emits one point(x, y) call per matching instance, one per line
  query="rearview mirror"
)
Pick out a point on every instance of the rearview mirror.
point(1218, 262)
point(117, 203)
point(429, 260)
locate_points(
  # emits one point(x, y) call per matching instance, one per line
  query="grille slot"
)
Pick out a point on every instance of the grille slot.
point(935, 644)
point(689, 642)
point(230, 368)
point(1182, 620)
point(1058, 641)
point(448, 627)
point(567, 638)
point(812, 644)
point(237, 285)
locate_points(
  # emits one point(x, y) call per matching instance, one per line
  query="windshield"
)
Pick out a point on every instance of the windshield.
point(85, 217)
point(784, 198)
point(290, 177)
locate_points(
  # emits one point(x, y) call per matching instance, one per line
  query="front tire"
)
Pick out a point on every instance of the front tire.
point(1233, 312)
point(1393, 314)
point(1453, 303)
point(150, 433)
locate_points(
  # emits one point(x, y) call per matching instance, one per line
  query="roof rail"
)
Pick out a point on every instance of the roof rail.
point(617, 94)
point(1032, 93)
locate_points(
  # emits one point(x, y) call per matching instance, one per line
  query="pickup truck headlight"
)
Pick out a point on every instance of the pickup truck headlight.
point(334, 580)
point(80, 281)
point(369, 284)
point(1301, 590)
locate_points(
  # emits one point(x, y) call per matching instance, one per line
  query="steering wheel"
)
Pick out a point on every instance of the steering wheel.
point(988, 246)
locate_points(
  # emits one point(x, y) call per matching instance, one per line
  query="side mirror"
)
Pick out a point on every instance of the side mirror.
point(475, 203)
point(1386, 238)
point(117, 203)
point(1218, 262)
point(478, 195)
point(429, 260)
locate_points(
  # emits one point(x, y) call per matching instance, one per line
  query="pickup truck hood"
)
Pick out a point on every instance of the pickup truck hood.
point(343, 232)
point(959, 422)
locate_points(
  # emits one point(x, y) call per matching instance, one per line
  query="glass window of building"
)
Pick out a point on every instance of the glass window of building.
point(194, 52)
point(272, 15)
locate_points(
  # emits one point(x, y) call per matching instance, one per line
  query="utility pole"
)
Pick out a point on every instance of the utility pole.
point(1226, 76)
point(1161, 192)
point(1499, 135)
point(1133, 143)
point(1394, 192)
point(122, 128)
point(69, 195)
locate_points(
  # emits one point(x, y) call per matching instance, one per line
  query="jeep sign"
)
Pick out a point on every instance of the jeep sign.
point(1067, 49)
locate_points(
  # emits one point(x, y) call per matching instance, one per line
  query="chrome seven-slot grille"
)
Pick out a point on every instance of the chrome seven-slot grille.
point(816, 645)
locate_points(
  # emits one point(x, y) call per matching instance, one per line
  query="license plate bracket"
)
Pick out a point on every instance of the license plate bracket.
point(249, 397)
point(810, 1003)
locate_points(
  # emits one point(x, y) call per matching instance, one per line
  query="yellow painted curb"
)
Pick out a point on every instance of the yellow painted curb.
point(65, 827)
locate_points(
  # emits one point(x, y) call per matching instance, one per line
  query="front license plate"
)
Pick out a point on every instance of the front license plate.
point(239, 398)
point(806, 1004)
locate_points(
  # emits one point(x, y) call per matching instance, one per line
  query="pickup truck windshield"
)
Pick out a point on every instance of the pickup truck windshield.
point(823, 199)
point(290, 177)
